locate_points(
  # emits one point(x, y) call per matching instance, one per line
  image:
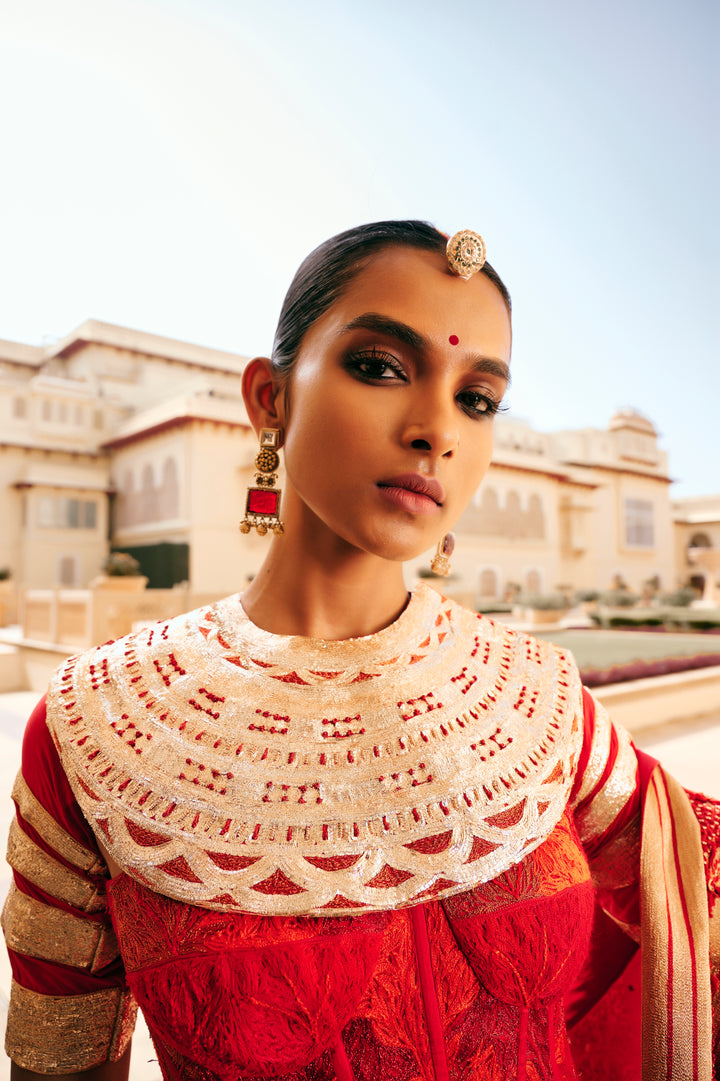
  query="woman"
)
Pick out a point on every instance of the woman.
point(352, 834)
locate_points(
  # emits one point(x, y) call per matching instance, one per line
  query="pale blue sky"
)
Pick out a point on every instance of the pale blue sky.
point(167, 163)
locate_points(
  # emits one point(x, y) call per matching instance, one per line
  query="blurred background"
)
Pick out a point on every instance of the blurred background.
point(167, 163)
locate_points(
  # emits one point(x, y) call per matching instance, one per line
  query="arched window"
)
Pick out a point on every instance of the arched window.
point(169, 495)
point(700, 540)
point(535, 518)
point(533, 581)
point(148, 497)
point(125, 507)
point(491, 517)
point(488, 584)
point(514, 525)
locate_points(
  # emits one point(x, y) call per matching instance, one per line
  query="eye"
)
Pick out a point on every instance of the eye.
point(375, 365)
point(477, 403)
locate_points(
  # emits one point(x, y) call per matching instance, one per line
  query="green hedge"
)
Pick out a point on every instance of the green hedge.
point(672, 618)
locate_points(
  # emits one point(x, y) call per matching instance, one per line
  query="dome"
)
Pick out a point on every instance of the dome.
point(633, 419)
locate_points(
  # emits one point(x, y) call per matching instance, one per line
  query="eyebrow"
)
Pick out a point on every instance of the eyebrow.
point(393, 328)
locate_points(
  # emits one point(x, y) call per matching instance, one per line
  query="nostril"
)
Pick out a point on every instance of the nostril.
point(421, 444)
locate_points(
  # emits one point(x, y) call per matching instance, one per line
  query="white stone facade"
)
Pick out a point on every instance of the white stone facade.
point(115, 437)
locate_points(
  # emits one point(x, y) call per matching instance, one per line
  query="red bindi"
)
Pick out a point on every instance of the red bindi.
point(453, 339)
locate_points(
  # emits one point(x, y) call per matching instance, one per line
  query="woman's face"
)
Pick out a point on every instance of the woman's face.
point(392, 398)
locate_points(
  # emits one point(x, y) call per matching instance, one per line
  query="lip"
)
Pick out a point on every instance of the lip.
point(408, 485)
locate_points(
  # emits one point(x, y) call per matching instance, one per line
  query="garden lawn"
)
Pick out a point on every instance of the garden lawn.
point(604, 649)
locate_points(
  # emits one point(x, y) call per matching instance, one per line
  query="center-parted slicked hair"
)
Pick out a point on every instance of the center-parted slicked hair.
point(328, 271)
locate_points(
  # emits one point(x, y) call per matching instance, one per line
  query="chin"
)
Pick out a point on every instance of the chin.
point(399, 553)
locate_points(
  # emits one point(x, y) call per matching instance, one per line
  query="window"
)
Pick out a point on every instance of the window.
point(19, 408)
point(535, 518)
point(46, 511)
point(639, 523)
point(148, 504)
point(67, 571)
point(169, 493)
point(89, 514)
point(59, 512)
point(533, 581)
point(46, 409)
point(70, 513)
point(488, 583)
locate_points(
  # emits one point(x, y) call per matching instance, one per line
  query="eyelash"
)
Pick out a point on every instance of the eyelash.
point(360, 362)
point(377, 358)
point(491, 406)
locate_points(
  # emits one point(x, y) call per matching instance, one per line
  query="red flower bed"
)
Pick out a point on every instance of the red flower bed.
point(619, 673)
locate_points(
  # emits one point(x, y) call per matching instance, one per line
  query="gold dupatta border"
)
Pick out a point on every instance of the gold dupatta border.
point(676, 1007)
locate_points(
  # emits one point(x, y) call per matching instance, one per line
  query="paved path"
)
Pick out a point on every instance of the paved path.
point(690, 751)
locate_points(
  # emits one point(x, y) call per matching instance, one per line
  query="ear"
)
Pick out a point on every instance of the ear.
point(264, 399)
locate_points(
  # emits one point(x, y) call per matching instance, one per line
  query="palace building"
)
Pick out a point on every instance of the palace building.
point(116, 439)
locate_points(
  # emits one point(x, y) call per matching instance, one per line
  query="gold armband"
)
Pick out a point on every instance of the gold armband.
point(34, 864)
point(38, 930)
point(54, 1034)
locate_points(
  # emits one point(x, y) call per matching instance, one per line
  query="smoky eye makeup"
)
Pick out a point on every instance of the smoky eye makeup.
point(374, 364)
point(478, 405)
point(480, 402)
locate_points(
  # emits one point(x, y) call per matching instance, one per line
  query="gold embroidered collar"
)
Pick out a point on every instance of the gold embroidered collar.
point(232, 768)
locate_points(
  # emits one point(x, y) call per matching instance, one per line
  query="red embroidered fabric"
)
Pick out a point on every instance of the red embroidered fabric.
point(228, 995)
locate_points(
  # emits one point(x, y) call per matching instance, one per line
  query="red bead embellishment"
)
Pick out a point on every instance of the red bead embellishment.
point(453, 339)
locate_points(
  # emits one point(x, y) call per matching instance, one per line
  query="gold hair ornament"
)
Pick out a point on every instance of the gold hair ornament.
point(262, 506)
point(466, 253)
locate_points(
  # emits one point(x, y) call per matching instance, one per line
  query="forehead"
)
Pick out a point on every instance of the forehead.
point(417, 288)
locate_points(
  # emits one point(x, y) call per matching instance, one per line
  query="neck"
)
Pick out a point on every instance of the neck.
point(331, 595)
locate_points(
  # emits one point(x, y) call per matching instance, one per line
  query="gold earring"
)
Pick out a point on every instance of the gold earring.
point(440, 562)
point(262, 506)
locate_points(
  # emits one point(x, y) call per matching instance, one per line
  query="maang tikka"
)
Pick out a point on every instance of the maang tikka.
point(465, 253)
point(262, 506)
point(440, 562)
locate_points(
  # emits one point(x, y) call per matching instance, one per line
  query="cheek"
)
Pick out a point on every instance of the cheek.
point(331, 429)
point(320, 452)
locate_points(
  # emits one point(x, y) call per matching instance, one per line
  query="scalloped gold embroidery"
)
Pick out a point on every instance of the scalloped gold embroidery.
point(238, 775)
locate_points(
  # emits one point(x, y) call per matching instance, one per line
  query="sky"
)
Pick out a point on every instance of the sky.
point(166, 164)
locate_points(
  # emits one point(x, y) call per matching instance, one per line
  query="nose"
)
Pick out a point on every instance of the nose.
point(431, 424)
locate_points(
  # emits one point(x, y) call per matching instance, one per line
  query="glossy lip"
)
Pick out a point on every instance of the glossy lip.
point(414, 482)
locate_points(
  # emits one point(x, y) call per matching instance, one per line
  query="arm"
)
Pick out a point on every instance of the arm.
point(70, 1009)
point(654, 855)
point(109, 1071)
point(606, 801)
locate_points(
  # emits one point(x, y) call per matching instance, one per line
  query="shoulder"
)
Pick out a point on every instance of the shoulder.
point(520, 646)
point(152, 645)
point(113, 687)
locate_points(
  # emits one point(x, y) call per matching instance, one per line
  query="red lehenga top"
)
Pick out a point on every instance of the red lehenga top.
point(388, 859)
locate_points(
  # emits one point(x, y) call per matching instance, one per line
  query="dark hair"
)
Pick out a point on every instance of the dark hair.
point(328, 270)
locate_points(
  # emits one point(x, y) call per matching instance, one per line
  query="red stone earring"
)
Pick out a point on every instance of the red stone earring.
point(262, 506)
